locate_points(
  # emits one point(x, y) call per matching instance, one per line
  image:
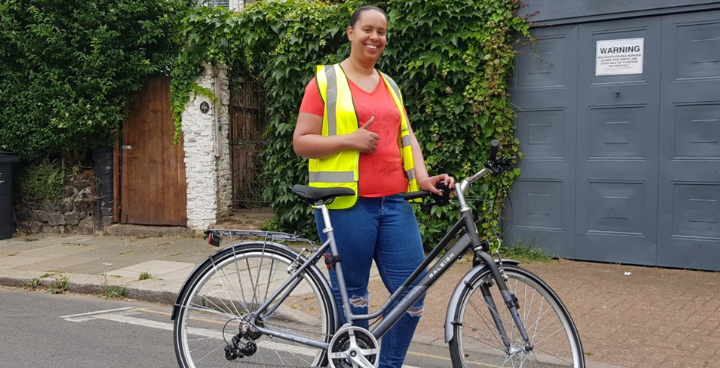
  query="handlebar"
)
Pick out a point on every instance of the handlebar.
point(493, 165)
point(494, 146)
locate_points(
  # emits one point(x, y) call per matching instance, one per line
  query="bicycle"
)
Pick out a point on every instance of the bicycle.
point(259, 302)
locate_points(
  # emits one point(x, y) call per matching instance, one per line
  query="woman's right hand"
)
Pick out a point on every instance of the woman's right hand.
point(364, 140)
point(309, 142)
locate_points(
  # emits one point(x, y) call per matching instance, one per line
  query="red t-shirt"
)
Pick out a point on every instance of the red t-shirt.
point(380, 172)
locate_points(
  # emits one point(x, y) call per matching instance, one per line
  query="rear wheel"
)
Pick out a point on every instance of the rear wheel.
point(548, 324)
point(217, 315)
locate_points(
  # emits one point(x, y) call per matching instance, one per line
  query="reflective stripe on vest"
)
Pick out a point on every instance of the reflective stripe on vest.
point(340, 117)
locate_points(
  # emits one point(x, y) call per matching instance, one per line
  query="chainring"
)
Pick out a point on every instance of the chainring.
point(349, 342)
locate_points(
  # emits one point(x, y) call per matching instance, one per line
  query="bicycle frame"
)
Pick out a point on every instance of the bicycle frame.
point(416, 284)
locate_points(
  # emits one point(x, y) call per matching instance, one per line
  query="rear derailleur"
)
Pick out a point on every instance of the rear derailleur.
point(239, 348)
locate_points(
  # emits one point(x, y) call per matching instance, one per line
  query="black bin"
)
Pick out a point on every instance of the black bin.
point(6, 198)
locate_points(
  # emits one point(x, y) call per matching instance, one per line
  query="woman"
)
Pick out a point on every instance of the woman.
point(380, 159)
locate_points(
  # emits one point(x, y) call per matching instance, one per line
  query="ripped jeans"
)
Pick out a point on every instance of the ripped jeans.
point(385, 230)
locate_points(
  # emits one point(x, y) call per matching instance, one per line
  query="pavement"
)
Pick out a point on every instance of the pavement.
point(627, 316)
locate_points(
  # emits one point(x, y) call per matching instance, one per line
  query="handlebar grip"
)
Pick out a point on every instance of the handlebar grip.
point(418, 194)
point(494, 145)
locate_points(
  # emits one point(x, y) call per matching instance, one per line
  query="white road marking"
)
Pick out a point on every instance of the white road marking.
point(82, 317)
point(121, 315)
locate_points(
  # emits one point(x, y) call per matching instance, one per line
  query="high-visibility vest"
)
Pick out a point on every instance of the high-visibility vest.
point(341, 169)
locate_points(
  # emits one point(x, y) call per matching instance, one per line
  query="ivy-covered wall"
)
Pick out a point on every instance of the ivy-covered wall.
point(67, 69)
point(451, 58)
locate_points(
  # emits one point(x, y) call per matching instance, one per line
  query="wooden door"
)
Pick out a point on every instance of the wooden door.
point(153, 189)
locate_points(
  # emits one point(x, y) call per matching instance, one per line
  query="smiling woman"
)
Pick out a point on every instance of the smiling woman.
point(354, 130)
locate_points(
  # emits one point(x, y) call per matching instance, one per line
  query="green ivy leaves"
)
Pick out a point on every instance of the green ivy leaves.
point(452, 59)
point(68, 68)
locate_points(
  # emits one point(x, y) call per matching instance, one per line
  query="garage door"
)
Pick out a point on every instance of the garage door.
point(619, 123)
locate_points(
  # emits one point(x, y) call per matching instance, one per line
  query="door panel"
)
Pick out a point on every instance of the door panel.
point(689, 200)
point(544, 92)
point(153, 189)
point(616, 161)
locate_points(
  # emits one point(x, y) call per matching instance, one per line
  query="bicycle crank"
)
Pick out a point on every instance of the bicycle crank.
point(353, 347)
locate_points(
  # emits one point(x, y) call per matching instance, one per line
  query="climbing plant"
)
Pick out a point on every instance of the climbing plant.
point(451, 58)
point(67, 68)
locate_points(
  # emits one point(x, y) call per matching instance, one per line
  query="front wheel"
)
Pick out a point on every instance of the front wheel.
point(481, 313)
point(218, 315)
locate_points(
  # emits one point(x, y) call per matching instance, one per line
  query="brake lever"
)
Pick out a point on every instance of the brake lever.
point(444, 199)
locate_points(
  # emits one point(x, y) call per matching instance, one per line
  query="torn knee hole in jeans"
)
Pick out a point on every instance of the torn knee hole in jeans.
point(415, 312)
point(360, 301)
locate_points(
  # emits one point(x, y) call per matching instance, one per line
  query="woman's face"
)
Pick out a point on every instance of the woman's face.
point(368, 36)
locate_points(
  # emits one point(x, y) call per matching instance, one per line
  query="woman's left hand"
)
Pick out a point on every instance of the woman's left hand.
point(430, 183)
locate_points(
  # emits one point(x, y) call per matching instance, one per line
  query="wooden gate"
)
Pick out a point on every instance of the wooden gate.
point(153, 190)
point(248, 121)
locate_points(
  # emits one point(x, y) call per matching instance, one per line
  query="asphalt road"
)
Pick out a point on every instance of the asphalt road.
point(38, 329)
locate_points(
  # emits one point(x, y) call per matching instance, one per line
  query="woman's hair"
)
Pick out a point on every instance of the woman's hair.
point(356, 15)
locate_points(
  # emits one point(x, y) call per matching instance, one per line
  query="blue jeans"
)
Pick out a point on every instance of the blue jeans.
point(383, 229)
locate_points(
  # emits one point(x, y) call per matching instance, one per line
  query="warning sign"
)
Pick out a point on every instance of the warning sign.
point(618, 57)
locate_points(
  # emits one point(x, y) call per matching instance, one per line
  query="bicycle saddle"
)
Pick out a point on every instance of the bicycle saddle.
point(312, 195)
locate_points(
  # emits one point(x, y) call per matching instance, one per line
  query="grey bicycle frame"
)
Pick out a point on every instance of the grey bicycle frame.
point(469, 241)
point(415, 292)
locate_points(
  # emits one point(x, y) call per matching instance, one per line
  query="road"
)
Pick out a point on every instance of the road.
point(38, 329)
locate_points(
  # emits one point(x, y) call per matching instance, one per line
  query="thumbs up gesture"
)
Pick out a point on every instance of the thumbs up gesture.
point(366, 141)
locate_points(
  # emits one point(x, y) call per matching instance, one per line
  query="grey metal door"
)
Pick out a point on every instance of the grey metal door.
point(545, 92)
point(689, 177)
point(617, 146)
point(621, 167)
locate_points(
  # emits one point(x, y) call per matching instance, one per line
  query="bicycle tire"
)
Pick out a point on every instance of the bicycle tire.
point(231, 285)
point(476, 340)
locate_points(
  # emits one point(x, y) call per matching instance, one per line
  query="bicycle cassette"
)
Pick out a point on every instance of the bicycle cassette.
point(353, 347)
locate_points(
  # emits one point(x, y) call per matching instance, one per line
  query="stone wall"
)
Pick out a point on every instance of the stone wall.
point(73, 212)
point(207, 166)
point(103, 169)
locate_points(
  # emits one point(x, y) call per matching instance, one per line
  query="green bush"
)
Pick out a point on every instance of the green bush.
point(41, 180)
point(452, 59)
point(68, 67)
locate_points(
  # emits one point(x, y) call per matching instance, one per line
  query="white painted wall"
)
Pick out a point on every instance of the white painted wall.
point(207, 164)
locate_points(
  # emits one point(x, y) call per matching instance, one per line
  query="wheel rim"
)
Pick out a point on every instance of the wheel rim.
point(220, 302)
point(546, 321)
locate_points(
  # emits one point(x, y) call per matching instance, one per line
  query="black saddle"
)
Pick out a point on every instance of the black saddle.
point(325, 195)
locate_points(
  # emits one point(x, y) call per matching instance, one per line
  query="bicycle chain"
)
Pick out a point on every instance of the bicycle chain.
point(289, 366)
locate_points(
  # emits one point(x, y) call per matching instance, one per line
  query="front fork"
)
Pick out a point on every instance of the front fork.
point(511, 302)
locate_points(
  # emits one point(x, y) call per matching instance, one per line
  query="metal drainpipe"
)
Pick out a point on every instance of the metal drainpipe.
point(216, 111)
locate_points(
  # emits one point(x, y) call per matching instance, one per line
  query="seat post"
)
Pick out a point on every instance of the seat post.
point(327, 225)
point(328, 230)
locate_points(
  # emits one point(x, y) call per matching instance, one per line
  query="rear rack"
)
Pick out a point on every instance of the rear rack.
point(215, 236)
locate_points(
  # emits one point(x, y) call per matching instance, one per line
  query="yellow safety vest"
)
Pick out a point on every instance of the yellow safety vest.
point(341, 169)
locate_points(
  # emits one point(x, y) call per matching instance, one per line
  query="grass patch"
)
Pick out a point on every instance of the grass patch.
point(144, 276)
point(59, 286)
point(114, 292)
point(525, 252)
point(32, 284)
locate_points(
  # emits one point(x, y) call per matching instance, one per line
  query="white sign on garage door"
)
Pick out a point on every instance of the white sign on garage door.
point(619, 57)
